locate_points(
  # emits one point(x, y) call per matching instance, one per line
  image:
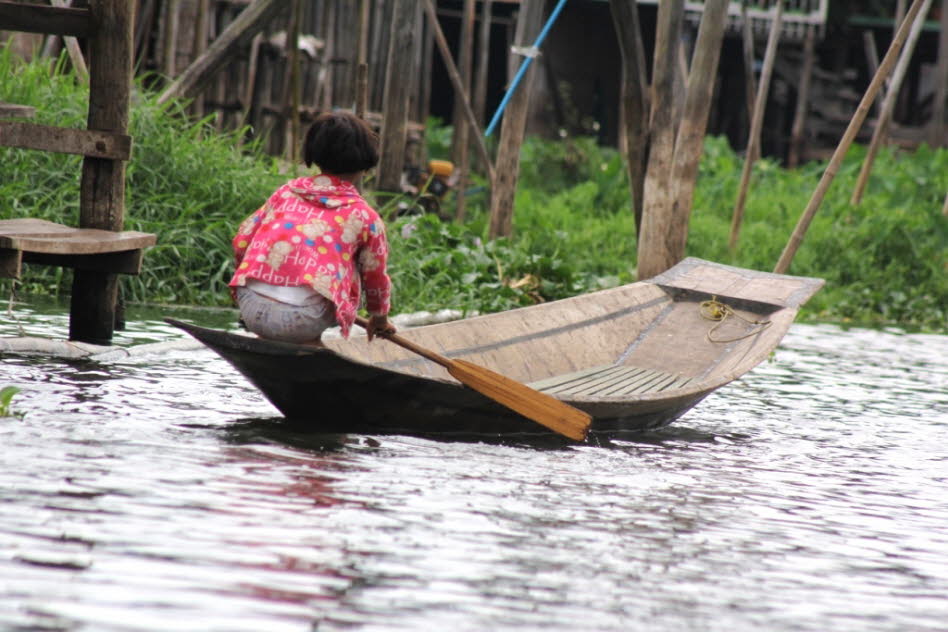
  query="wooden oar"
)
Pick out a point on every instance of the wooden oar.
point(542, 408)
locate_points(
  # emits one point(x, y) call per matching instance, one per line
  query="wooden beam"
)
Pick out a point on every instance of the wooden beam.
point(12, 110)
point(65, 140)
point(39, 18)
point(238, 33)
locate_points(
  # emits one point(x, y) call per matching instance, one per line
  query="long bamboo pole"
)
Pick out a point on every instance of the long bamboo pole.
point(757, 122)
point(796, 238)
point(881, 132)
point(459, 91)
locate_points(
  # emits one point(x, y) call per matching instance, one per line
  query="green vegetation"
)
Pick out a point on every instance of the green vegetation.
point(6, 396)
point(884, 261)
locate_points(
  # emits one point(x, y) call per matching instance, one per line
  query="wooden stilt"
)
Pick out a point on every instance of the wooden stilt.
point(880, 133)
point(513, 128)
point(803, 98)
point(939, 124)
point(102, 187)
point(750, 80)
point(697, 107)
point(397, 95)
point(799, 232)
point(659, 196)
point(634, 105)
point(460, 93)
point(462, 129)
point(757, 122)
point(480, 78)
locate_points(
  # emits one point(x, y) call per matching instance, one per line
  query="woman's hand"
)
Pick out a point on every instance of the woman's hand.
point(379, 325)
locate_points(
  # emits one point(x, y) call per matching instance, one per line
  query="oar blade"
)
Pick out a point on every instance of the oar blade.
point(532, 404)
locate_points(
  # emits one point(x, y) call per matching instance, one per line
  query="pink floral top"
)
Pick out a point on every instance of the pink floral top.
point(318, 232)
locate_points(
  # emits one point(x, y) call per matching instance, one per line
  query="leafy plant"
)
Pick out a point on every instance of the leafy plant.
point(884, 261)
point(6, 397)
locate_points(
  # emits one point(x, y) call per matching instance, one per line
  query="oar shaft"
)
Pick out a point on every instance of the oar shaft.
point(407, 344)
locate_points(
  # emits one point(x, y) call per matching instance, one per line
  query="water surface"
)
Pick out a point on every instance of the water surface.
point(162, 492)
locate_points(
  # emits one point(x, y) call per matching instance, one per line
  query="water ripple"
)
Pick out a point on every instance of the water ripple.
point(165, 494)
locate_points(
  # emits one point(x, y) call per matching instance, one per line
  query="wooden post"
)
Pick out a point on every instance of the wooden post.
point(803, 98)
point(462, 130)
point(513, 129)
point(793, 244)
point(362, 73)
point(459, 91)
point(634, 105)
point(293, 102)
point(170, 45)
point(658, 196)
point(397, 96)
point(199, 46)
point(480, 78)
point(102, 188)
point(697, 107)
point(944, 208)
point(939, 124)
point(238, 33)
point(880, 133)
point(757, 122)
point(750, 81)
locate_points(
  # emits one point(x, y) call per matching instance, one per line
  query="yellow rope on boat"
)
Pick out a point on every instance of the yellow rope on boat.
point(715, 310)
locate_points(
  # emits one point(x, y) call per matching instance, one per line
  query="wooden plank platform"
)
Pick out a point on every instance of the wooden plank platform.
point(610, 381)
point(48, 243)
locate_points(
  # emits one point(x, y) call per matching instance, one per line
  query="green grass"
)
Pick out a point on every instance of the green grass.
point(884, 261)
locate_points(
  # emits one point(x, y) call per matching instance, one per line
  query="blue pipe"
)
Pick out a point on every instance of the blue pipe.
point(523, 67)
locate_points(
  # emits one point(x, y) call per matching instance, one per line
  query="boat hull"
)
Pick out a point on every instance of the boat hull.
point(333, 394)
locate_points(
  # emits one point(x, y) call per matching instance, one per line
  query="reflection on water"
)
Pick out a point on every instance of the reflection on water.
point(163, 493)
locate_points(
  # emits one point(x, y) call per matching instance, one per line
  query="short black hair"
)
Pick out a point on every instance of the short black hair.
point(340, 142)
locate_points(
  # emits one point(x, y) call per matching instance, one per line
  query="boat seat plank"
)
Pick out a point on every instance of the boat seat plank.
point(610, 381)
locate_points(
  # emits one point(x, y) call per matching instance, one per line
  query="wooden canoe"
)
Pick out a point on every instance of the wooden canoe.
point(635, 357)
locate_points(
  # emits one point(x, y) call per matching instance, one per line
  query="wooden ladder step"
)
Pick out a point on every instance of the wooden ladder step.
point(48, 243)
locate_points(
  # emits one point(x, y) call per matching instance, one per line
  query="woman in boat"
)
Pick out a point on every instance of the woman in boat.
point(305, 257)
